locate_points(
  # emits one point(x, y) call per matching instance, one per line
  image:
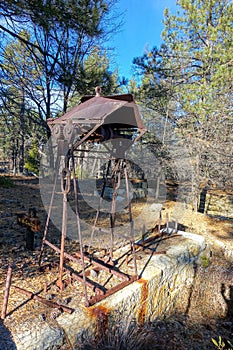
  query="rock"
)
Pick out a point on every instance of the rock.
point(55, 313)
point(93, 273)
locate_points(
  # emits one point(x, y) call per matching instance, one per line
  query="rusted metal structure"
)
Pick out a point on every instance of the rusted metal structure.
point(32, 222)
point(96, 119)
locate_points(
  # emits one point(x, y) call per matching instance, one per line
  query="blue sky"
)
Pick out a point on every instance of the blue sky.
point(141, 29)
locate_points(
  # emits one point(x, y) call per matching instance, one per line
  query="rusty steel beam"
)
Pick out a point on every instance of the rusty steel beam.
point(7, 292)
point(65, 187)
point(145, 241)
point(44, 301)
point(66, 255)
point(116, 184)
point(94, 261)
point(79, 228)
point(149, 250)
point(107, 267)
point(153, 239)
point(78, 143)
point(97, 298)
point(93, 285)
point(50, 210)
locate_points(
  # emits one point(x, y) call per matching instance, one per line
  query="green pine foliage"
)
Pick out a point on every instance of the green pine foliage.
point(32, 161)
point(189, 80)
point(46, 67)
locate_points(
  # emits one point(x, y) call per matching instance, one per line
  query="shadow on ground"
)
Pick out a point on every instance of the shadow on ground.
point(6, 340)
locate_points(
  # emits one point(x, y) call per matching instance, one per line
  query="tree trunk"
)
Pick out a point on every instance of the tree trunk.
point(22, 134)
point(196, 185)
point(14, 157)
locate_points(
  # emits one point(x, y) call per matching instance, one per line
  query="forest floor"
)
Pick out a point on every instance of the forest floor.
point(210, 311)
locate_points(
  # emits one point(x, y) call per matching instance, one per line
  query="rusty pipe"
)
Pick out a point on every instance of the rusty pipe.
point(65, 187)
point(7, 292)
point(44, 301)
point(132, 238)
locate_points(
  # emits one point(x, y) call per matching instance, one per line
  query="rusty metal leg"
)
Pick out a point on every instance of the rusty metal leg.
point(49, 212)
point(7, 292)
point(65, 186)
point(79, 230)
point(116, 175)
point(132, 239)
point(99, 206)
point(43, 300)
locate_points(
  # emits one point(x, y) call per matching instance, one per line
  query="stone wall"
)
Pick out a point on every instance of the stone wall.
point(161, 281)
point(217, 204)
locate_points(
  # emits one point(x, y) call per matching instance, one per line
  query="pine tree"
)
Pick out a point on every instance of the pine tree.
point(199, 56)
point(44, 66)
point(193, 69)
point(19, 78)
point(62, 35)
point(95, 71)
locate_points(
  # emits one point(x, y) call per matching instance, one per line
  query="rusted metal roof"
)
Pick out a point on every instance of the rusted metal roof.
point(117, 109)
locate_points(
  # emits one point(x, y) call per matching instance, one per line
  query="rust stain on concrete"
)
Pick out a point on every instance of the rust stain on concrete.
point(100, 313)
point(143, 301)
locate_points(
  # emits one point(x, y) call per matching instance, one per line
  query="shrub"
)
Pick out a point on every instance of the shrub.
point(205, 261)
point(221, 345)
point(6, 182)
